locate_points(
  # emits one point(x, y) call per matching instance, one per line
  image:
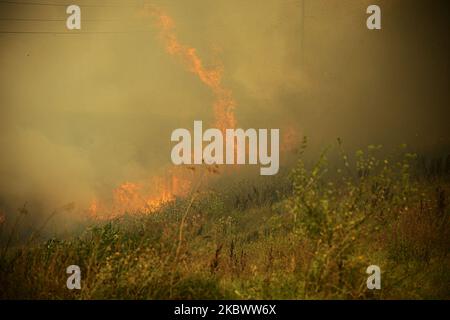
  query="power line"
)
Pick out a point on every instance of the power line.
point(71, 32)
point(48, 4)
point(55, 19)
point(31, 3)
point(19, 19)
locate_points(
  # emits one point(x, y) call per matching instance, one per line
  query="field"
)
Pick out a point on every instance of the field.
point(309, 235)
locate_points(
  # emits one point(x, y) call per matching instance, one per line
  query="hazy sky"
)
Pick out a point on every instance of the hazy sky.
point(81, 113)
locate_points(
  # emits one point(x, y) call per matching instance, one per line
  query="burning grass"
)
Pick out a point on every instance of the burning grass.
point(311, 235)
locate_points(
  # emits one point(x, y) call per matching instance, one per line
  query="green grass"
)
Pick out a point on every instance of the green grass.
point(309, 236)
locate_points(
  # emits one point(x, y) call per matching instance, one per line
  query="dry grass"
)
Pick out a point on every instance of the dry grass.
point(311, 237)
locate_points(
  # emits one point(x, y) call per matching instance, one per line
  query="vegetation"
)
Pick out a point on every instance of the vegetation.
point(309, 236)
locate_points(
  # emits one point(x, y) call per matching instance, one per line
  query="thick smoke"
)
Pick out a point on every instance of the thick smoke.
point(81, 114)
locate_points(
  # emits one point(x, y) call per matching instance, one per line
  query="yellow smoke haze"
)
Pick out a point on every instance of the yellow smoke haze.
point(82, 115)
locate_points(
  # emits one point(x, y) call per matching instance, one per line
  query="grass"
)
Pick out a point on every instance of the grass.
point(309, 236)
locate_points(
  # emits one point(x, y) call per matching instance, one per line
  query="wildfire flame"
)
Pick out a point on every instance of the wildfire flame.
point(148, 196)
point(224, 104)
point(145, 196)
point(2, 217)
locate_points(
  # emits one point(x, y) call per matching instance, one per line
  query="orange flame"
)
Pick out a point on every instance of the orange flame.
point(224, 104)
point(145, 196)
point(148, 196)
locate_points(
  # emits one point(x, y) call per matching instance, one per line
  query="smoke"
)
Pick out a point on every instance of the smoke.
point(82, 114)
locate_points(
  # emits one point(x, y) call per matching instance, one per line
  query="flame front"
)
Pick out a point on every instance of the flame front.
point(224, 104)
point(144, 197)
point(149, 195)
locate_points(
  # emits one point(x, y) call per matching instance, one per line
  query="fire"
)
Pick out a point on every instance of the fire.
point(2, 218)
point(224, 104)
point(150, 195)
point(145, 196)
point(291, 139)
